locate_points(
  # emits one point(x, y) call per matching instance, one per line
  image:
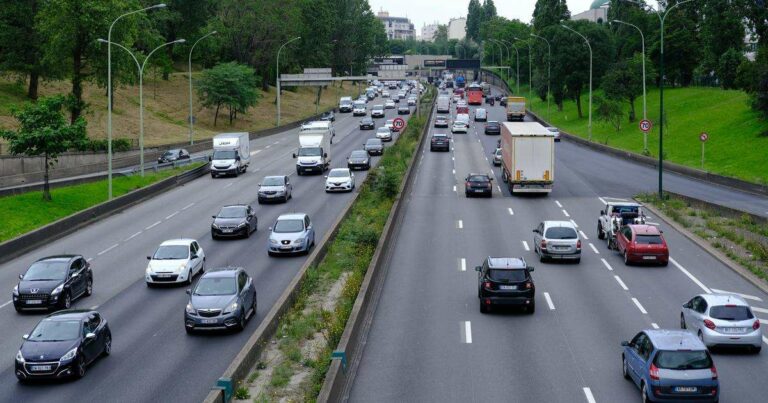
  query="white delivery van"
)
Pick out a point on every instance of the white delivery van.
point(527, 157)
point(231, 154)
point(314, 154)
point(443, 104)
point(345, 104)
point(359, 109)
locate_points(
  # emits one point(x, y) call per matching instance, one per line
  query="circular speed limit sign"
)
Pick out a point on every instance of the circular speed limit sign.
point(703, 137)
point(399, 123)
point(645, 125)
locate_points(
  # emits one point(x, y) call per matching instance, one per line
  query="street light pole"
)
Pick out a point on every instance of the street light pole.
point(517, 59)
point(109, 93)
point(508, 56)
point(278, 76)
point(549, 72)
point(501, 55)
point(191, 117)
point(645, 104)
point(589, 126)
point(530, 71)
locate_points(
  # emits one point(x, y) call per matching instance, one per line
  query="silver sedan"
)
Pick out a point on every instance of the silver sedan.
point(722, 320)
point(557, 240)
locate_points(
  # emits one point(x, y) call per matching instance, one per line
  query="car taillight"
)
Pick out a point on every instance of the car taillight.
point(654, 372)
point(488, 285)
point(543, 244)
point(709, 324)
point(714, 371)
point(756, 325)
point(578, 244)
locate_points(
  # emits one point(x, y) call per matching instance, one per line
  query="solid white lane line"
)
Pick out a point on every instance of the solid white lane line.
point(588, 394)
point(653, 223)
point(558, 204)
point(171, 216)
point(745, 296)
point(460, 224)
point(467, 332)
point(621, 283)
point(463, 264)
point(566, 213)
point(761, 310)
point(574, 223)
point(655, 326)
point(133, 236)
point(593, 248)
point(107, 250)
point(510, 211)
point(639, 306)
point(690, 276)
point(525, 245)
point(268, 146)
point(5, 304)
point(187, 206)
point(549, 301)
point(583, 235)
point(602, 200)
point(255, 152)
point(153, 225)
point(89, 259)
point(94, 307)
point(607, 266)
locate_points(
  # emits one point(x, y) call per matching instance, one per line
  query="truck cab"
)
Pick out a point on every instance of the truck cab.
point(314, 153)
point(231, 154)
point(617, 215)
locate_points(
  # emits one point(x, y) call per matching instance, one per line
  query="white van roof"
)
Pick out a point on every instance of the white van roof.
point(316, 125)
point(533, 129)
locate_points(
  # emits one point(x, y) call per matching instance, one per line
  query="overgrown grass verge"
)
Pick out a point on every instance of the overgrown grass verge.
point(294, 364)
point(739, 238)
point(26, 212)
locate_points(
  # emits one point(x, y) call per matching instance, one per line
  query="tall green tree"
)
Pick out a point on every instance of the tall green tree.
point(21, 43)
point(475, 18)
point(489, 10)
point(548, 13)
point(682, 46)
point(230, 85)
point(721, 29)
point(624, 81)
point(43, 131)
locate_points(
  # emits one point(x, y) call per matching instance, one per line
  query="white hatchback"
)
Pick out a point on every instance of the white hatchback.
point(340, 180)
point(175, 261)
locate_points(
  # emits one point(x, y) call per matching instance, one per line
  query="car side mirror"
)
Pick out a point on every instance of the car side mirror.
point(213, 216)
point(189, 291)
point(478, 268)
point(325, 155)
point(194, 257)
point(237, 158)
point(294, 155)
point(210, 158)
point(530, 268)
point(309, 227)
point(270, 228)
point(26, 336)
point(149, 257)
point(602, 212)
point(90, 336)
point(535, 231)
point(21, 277)
point(687, 305)
point(625, 344)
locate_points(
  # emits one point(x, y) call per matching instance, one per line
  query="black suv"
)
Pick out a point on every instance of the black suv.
point(505, 281)
point(492, 127)
point(440, 141)
point(53, 283)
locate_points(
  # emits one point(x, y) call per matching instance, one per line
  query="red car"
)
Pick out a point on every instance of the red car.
point(640, 243)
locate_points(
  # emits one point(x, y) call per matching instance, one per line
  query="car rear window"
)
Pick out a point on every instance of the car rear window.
point(726, 312)
point(649, 239)
point(506, 275)
point(478, 178)
point(683, 360)
point(561, 233)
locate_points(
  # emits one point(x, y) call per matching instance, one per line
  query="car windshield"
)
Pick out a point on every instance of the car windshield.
point(224, 155)
point(625, 209)
point(169, 252)
point(506, 276)
point(170, 153)
point(373, 142)
point(338, 174)
point(498, 151)
point(215, 286)
point(493, 124)
point(439, 136)
point(730, 312)
point(46, 270)
point(359, 104)
point(683, 360)
point(561, 233)
point(286, 226)
point(379, 108)
point(383, 130)
point(273, 181)
point(56, 330)
point(367, 120)
point(232, 212)
point(478, 178)
point(309, 152)
point(649, 239)
point(359, 154)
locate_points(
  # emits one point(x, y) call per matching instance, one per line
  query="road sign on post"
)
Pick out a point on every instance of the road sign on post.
point(398, 124)
point(645, 126)
point(703, 137)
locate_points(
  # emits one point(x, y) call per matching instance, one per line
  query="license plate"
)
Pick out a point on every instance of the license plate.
point(732, 329)
point(227, 231)
point(285, 247)
point(164, 275)
point(649, 257)
point(40, 367)
point(507, 287)
point(34, 302)
point(208, 321)
point(688, 389)
point(479, 190)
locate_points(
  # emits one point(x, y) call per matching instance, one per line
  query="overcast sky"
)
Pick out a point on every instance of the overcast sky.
point(429, 11)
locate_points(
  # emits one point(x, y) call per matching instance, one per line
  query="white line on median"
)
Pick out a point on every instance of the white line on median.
point(687, 273)
point(153, 225)
point(765, 339)
point(583, 235)
point(593, 248)
point(453, 159)
point(268, 146)
point(588, 393)
point(460, 224)
point(463, 264)
point(745, 296)
point(621, 283)
point(558, 204)
point(525, 245)
point(187, 206)
point(454, 188)
point(655, 326)
point(498, 187)
point(761, 310)
point(133, 236)
point(607, 266)
point(107, 250)
point(171, 216)
point(89, 259)
point(255, 152)
point(454, 172)
point(467, 332)
point(602, 200)
point(549, 301)
point(639, 306)
point(566, 213)
point(510, 211)
point(5, 304)
point(574, 223)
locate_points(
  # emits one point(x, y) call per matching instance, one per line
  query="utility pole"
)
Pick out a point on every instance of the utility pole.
point(277, 72)
point(191, 116)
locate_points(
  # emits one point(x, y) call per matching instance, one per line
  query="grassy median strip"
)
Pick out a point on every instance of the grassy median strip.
point(26, 212)
point(293, 366)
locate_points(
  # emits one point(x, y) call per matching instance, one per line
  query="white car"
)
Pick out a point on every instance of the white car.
point(390, 104)
point(481, 115)
point(459, 126)
point(385, 94)
point(378, 111)
point(340, 180)
point(384, 133)
point(411, 101)
point(555, 131)
point(175, 261)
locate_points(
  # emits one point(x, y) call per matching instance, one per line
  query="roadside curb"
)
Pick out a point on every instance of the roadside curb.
point(703, 244)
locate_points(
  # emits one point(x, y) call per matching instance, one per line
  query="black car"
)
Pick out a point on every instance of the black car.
point(53, 283)
point(505, 281)
point(359, 159)
point(223, 298)
point(441, 121)
point(404, 110)
point(366, 123)
point(493, 127)
point(503, 101)
point(62, 345)
point(328, 116)
point(175, 154)
point(374, 147)
point(478, 184)
point(234, 220)
point(440, 141)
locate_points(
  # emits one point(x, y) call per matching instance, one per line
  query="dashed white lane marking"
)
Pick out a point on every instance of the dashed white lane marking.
point(574, 223)
point(655, 326)
point(467, 332)
point(454, 172)
point(255, 152)
point(558, 204)
point(133, 236)
point(498, 187)
point(639, 306)
point(549, 301)
point(171, 216)
point(460, 224)
point(765, 339)
point(602, 200)
point(653, 223)
point(187, 206)
point(267, 146)
point(89, 259)
point(525, 245)
point(453, 159)
point(5, 304)
point(454, 188)
point(229, 184)
point(566, 213)
point(593, 248)
point(588, 394)
point(107, 250)
point(745, 296)
point(510, 211)
point(94, 307)
point(276, 142)
point(621, 283)
point(761, 310)
point(583, 235)
point(607, 266)
point(153, 225)
point(690, 276)
point(463, 264)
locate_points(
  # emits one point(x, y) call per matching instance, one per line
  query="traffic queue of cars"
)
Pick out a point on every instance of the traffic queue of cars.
point(67, 341)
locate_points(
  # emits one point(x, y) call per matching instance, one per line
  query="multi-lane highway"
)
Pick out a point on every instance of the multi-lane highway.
point(153, 359)
point(428, 341)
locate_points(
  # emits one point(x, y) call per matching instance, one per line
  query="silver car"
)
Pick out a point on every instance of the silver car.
point(557, 240)
point(384, 134)
point(275, 188)
point(292, 233)
point(722, 320)
point(497, 157)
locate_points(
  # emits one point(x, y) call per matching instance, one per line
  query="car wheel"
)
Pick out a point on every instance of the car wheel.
point(190, 330)
point(247, 231)
point(66, 302)
point(542, 259)
point(107, 345)
point(484, 308)
point(701, 337)
point(626, 258)
point(189, 277)
point(150, 285)
point(600, 234)
point(624, 370)
point(664, 264)
point(682, 322)
point(241, 322)
point(644, 390)
point(756, 350)
point(577, 261)
point(89, 288)
point(259, 201)
point(80, 367)
point(269, 253)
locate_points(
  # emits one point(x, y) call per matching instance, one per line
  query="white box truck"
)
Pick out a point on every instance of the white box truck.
point(443, 104)
point(527, 157)
point(314, 154)
point(231, 154)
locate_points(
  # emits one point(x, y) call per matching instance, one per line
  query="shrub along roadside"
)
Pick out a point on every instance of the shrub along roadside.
point(311, 329)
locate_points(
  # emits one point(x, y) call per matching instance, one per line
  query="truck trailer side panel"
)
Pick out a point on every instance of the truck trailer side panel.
point(528, 157)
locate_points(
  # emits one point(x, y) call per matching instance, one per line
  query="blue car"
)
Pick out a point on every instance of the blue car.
point(670, 365)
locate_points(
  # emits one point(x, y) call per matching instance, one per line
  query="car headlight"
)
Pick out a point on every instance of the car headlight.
point(190, 309)
point(298, 241)
point(19, 357)
point(231, 308)
point(181, 267)
point(16, 290)
point(241, 225)
point(215, 226)
point(149, 270)
point(58, 289)
point(273, 241)
point(69, 355)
